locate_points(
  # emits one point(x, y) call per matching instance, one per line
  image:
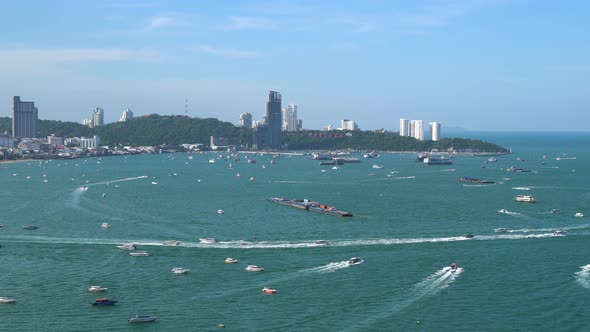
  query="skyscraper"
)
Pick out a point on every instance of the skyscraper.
point(434, 131)
point(290, 122)
point(274, 119)
point(417, 129)
point(24, 118)
point(348, 125)
point(404, 127)
point(98, 117)
point(127, 115)
point(245, 120)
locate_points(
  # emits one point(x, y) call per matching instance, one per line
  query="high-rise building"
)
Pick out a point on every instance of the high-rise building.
point(261, 137)
point(290, 122)
point(127, 115)
point(434, 131)
point(404, 127)
point(24, 118)
point(348, 125)
point(417, 129)
point(245, 120)
point(274, 119)
point(98, 117)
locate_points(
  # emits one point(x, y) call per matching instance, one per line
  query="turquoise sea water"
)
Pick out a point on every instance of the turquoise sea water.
point(408, 226)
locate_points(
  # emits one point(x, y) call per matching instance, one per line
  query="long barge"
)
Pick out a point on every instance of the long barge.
point(309, 205)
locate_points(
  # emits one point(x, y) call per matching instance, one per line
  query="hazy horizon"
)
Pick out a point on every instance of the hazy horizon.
point(482, 65)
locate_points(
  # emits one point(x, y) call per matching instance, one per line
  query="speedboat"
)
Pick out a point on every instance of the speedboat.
point(453, 267)
point(207, 240)
point(469, 236)
point(220, 211)
point(83, 188)
point(322, 242)
point(554, 211)
point(105, 225)
point(500, 230)
point(180, 270)
point(267, 290)
point(127, 246)
point(97, 289)
point(7, 300)
point(503, 211)
point(377, 166)
point(525, 198)
point(230, 260)
point(104, 301)
point(355, 261)
point(559, 233)
point(254, 268)
point(139, 253)
point(30, 227)
point(579, 215)
point(142, 319)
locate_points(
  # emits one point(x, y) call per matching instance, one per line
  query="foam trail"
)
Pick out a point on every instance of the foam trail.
point(583, 276)
point(120, 180)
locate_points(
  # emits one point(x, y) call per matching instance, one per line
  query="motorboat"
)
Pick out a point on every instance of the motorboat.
point(171, 243)
point(525, 198)
point(554, 211)
point(97, 289)
point(469, 236)
point(180, 270)
point(127, 246)
point(500, 230)
point(142, 319)
point(355, 261)
point(230, 260)
point(267, 290)
point(30, 227)
point(139, 253)
point(254, 268)
point(220, 211)
point(503, 211)
point(377, 166)
point(322, 242)
point(83, 188)
point(579, 215)
point(105, 225)
point(154, 182)
point(252, 178)
point(212, 160)
point(7, 300)
point(104, 301)
point(207, 240)
point(453, 267)
point(559, 233)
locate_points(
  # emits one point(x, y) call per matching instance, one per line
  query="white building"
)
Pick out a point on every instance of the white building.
point(6, 140)
point(404, 127)
point(417, 129)
point(90, 143)
point(290, 122)
point(55, 141)
point(245, 120)
point(98, 117)
point(127, 115)
point(348, 125)
point(434, 131)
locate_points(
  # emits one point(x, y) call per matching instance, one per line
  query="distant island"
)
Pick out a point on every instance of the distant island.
point(152, 130)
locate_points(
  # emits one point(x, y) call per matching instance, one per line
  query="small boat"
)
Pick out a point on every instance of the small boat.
point(104, 301)
point(503, 211)
point(579, 215)
point(267, 290)
point(377, 166)
point(252, 179)
point(254, 268)
point(207, 240)
point(322, 242)
point(139, 253)
point(171, 243)
point(230, 260)
point(154, 182)
point(212, 160)
point(7, 300)
point(30, 227)
point(559, 233)
point(220, 211)
point(83, 188)
point(127, 246)
point(105, 225)
point(554, 211)
point(453, 267)
point(180, 270)
point(500, 230)
point(469, 236)
point(97, 289)
point(142, 319)
point(355, 261)
point(525, 198)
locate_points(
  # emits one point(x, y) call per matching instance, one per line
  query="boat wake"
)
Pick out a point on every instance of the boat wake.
point(329, 268)
point(119, 180)
point(583, 276)
point(448, 170)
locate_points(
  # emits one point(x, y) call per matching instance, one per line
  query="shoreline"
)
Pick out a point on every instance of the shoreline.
point(16, 161)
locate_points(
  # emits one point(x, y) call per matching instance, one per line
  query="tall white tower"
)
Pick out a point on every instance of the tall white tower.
point(290, 122)
point(434, 131)
point(417, 129)
point(404, 127)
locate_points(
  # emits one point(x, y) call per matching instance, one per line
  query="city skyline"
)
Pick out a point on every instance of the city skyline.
point(494, 65)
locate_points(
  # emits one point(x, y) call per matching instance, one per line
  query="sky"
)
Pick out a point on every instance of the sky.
point(481, 65)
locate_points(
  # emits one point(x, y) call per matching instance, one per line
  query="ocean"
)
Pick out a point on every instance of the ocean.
point(408, 226)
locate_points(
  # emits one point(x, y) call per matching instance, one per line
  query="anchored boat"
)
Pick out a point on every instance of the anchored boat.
point(309, 205)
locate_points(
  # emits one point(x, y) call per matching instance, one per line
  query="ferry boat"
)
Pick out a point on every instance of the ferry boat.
point(476, 180)
point(309, 205)
point(525, 198)
point(438, 159)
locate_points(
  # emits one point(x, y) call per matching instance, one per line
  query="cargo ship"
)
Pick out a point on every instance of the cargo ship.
point(308, 205)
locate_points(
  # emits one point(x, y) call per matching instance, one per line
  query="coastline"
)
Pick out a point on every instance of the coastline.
point(15, 161)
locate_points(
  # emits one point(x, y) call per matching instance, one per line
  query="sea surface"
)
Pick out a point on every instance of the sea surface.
point(408, 226)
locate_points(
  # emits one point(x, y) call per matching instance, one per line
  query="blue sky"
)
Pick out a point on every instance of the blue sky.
point(498, 65)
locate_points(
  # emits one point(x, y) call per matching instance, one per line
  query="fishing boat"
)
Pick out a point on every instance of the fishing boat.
point(309, 205)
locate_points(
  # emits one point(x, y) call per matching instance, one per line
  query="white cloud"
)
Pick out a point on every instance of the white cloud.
point(249, 23)
point(228, 52)
point(158, 22)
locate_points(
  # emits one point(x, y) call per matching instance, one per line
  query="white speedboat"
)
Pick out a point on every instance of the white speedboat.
point(559, 233)
point(254, 268)
point(525, 198)
point(579, 215)
point(139, 253)
point(267, 290)
point(83, 188)
point(220, 211)
point(378, 166)
point(97, 289)
point(142, 319)
point(503, 211)
point(500, 230)
point(207, 240)
point(105, 225)
point(322, 242)
point(7, 300)
point(230, 260)
point(180, 270)
point(171, 243)
point(127, 246)
point(355, 261)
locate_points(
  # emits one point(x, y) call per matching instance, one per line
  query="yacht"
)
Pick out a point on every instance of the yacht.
point(97, 289)
point(355, 261)
point(207, 240)
point(267, 290)
point(142, 319)
point(180, 270)
point(139, 253)
point(105, 225)
point(127, 246)
point(230, 260)
point(254, 268)
point(525, 198)
point(7, 300)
